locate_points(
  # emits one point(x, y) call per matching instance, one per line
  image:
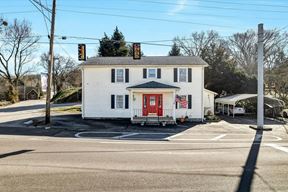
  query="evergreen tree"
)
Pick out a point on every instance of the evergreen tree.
point(175, 50)
point(106, 47)
point(114, 46)
point(119, 44)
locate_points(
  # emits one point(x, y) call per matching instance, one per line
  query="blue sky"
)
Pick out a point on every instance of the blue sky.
point(146, 20)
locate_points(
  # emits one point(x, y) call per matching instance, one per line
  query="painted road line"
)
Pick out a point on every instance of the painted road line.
point(218, 137)
point(123, 136)
point(173, 136)
point(78, 135)
point(133, 142)
point(278, 147)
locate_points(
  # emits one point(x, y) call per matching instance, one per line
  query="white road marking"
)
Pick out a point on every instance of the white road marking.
point(126, 135)
point(218, 137)
point(275, 146)
point(278, 138)
point(93, 132)
point(173, 136)
point(175, 152)
point(170, 143)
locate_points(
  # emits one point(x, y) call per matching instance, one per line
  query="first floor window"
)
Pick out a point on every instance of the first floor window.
point(120, 75)
point(182, 102)
point(182, 75)
point(119, 101)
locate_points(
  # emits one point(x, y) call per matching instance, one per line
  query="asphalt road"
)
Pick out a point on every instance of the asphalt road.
point(224, 156)
point(214, 157)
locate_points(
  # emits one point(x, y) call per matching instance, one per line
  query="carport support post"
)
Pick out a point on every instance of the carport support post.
point(260, 90)
point(228, 112)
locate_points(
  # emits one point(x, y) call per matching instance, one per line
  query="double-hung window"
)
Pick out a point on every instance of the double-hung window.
point(182, 102)
point(119, 101)
point(152, 73)
point(182, 74)
point(119, 75)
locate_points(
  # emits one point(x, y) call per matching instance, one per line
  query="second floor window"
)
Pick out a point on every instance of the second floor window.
point(119, 75)
point(151, 73)
point(182, 75)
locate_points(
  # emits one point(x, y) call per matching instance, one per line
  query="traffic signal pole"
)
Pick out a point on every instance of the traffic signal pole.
point(50, 65)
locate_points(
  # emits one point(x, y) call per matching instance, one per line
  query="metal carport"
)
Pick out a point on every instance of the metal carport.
point(234, 99)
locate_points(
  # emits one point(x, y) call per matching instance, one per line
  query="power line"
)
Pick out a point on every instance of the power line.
point(140, 10)
point(238, 3)
point(208, 6)
point(143, 18)
point(32, 1)
point(16, 12)
point(44, 19)
point(41, 5)
point(63, 49)
point(158, 11)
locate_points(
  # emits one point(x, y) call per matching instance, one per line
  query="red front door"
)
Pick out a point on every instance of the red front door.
point(152, 104)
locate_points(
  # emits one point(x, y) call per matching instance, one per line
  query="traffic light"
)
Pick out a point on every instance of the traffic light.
point(81, 52)
point(136, 51)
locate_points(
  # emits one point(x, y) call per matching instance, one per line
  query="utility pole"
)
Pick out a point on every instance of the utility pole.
point(50, 65)
point(260, 89)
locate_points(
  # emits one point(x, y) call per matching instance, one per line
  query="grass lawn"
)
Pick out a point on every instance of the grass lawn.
point(70, 109)
point(4, 103)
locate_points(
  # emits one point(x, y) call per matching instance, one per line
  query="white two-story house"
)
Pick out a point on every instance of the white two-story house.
point(161, 87)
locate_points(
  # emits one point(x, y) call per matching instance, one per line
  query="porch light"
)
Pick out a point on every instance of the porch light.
point(134, 98)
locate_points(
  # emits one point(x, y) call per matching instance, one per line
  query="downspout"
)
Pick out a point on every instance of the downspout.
point(202, 95)
point(83, 93)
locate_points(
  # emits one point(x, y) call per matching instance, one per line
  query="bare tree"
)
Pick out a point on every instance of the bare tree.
point(243, 47)
point(63, 68)
point(17, 45)
point(195, 44)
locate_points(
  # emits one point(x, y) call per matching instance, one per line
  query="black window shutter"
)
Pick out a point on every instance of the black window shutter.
point(113, 75)
point(127, 75)
point(112, 101)
point(159, 73)
point(144, 73)
point(189, 75)
point(126, 101)
point(176, 105)
point(189, 101)
point(175, 75)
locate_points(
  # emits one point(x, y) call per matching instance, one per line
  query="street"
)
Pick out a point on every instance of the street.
point(195, 160)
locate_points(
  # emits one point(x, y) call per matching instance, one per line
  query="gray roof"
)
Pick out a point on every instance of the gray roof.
point(153, 85)
point(146, 60)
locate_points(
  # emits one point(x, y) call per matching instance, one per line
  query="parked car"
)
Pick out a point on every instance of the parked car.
point(237, 111)
point(284, 113)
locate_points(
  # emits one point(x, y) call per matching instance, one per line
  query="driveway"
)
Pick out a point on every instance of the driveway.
point(25, 110)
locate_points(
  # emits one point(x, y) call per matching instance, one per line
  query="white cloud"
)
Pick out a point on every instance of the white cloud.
point(181, 4)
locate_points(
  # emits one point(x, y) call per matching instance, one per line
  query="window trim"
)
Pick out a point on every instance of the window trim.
point(116, 80)
point(148, 69)
point(178, 104)
point(185, 73)
point(123, 102)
